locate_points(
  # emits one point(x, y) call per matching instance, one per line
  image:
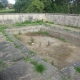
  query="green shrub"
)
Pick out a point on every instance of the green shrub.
point(77, 69)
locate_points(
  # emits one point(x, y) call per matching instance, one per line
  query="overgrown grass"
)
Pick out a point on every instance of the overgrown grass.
point(62, 39)
point(77, 69)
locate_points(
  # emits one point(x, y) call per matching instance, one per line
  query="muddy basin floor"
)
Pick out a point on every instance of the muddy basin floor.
point(57, 52)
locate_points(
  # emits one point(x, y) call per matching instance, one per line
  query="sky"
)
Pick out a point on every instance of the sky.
point(11, 1)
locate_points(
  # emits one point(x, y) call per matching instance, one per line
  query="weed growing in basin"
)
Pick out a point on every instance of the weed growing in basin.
point(44, 33)
point(34, 62)
point(16, 36)
point(39, 44)
point(48, 44)
point(45, 59)
point(52, 63)
point(9, 39)
point(31, 41)
point(15, 59)
point(1, 62)
point(49, 22)
point(62, 39)
point(39, 21)
point(16, 46)
point(2, 27)
point(22, 23)
point(77, 69)
point(69, 77)
point(67, 29)
point(73, 26)
point(32, 52)
point(2, 65)
point(27, 22)
point(39, 68)
point(27, 59)
point(19, 33)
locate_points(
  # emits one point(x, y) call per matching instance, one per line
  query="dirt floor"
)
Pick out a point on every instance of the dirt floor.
point(58, 53)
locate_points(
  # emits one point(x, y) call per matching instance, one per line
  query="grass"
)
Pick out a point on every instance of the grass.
point(32, 52)
point(27, 22)
point(2, 65)
point(16, 46)
point(67, 29)
point(16, 36)
point(45, 59)
point(73, 26)
point(77, 69)
point(62, 39)
point(2, 27)
point(77, 27)
point(44, 33)
point(39, 68)
point(26, 59)
point(49, 22)
point(7, 11)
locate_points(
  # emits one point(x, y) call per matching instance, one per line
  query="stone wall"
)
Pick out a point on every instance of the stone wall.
point(73, 20)
point(13, 18)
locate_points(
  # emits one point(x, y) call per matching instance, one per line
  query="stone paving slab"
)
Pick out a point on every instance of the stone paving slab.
point(70, 72)
point(9, 52)
point(25, 71)
point(2, 37)
point(21, 70)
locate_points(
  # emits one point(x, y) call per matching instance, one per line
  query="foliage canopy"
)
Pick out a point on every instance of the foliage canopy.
point(54, 6)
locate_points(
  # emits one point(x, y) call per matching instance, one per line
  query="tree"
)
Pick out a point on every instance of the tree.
point(1, 6)
point(36, 6)
point(22, 5)
point(4, 3)
point(47, 5)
